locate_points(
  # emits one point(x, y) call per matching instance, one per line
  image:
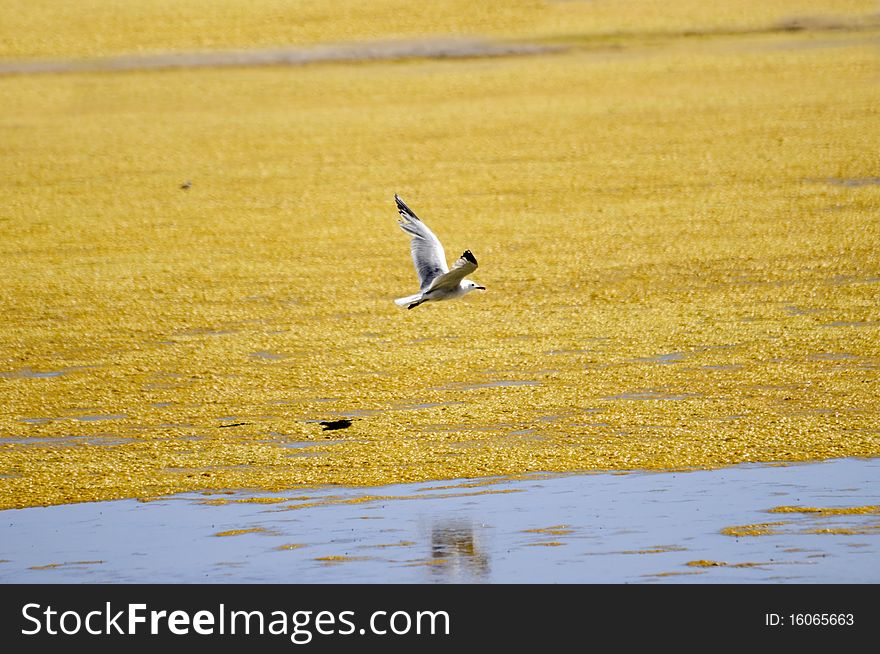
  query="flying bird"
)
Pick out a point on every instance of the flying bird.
point(437, 282)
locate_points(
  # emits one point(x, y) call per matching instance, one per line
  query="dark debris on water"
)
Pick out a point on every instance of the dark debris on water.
point(330, 425)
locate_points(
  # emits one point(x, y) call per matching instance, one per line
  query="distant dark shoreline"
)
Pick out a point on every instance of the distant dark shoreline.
point(450, 48)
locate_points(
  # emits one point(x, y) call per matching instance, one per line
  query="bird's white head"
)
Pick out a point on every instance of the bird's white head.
point(468, 286)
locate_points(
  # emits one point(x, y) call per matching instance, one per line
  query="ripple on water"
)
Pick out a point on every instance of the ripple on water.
point(28, 373)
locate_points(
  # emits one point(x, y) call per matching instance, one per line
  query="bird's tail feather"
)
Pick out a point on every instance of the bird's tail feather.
point(403, 301)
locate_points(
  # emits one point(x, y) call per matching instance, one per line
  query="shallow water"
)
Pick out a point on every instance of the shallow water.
point(700, 526)
point(376, 51)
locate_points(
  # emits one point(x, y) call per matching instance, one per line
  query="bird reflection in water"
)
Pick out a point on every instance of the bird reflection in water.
point(456, 553)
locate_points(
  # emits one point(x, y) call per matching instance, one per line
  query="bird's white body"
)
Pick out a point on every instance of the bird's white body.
point(436, 295)
point(437, 281)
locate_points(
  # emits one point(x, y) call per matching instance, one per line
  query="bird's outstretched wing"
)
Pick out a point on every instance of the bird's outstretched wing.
point(427, 252)
point(466, 264)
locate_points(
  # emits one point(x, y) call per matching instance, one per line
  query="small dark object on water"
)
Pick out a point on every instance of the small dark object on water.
point(235, 424)
point(186, 185)
point(330, 425)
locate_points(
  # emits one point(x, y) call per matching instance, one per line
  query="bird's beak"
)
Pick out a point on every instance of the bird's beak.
point(480, 288)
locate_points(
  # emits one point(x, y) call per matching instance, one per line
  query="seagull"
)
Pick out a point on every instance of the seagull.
point(436, 280)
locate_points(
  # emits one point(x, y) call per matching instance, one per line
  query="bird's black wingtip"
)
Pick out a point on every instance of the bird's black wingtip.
point(468, 256)
point(403, 209)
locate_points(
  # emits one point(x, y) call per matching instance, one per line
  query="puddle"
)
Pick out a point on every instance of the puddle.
point(672, 357)
point(491, 384)
point(802, 311)
point(847, 323)
point(27, 373)
point(843, 280)
point(807, 523)
point(833, 356)
point(99, 417)
point(854, 182)
point(67, 441)
point(295, 445)
point(39, 440)
point(425, 405)
point(206, 331)
point(269, 356)
point(446, 428)
point(354, 413)
point(651, 395)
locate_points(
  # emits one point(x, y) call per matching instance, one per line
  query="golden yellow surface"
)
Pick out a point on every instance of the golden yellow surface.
point(758, 529)
point(816, 516)
point(679, 242)
point(828, 511)
point(330, 560)
point(239, 532)
point(556, 530)
point(702, 563)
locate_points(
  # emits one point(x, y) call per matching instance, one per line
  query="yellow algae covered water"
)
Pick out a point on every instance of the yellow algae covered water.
point(679, 241)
